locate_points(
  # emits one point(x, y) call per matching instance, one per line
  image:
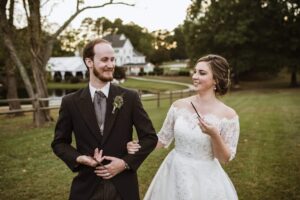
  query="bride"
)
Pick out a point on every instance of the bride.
point(192, 170)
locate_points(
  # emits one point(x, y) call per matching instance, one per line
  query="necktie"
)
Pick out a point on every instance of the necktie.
point(100, 108)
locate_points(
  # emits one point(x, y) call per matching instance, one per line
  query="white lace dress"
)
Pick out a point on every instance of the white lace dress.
point(190, 171)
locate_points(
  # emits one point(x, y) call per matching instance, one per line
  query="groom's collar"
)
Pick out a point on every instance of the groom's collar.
point(104, 90)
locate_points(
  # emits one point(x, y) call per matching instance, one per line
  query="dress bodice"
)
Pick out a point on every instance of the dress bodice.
point(190, 141)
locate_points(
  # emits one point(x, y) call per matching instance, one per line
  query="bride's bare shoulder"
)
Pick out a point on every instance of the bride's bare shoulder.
point(227, 112)
point(183, 102)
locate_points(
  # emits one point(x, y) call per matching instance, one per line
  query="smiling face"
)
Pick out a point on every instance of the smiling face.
point(203, 77)
point(102, 65)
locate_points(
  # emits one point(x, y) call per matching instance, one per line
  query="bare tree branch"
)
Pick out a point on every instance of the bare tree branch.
point(25, 8)
point(11, 12)
point(72, 17)
point(47, 1)
point(77, 5)
point(51, 10)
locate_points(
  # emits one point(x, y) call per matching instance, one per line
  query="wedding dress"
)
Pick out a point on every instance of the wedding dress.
point(190, 171)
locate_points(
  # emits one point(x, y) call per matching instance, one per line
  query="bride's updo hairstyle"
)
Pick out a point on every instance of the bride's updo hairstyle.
point(221, 72)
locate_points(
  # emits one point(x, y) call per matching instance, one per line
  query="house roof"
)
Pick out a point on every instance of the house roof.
point(115, 40)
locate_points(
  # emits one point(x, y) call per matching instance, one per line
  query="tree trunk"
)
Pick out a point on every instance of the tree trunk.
point(11, 85)
point(10, 68)
point(38, 59)
point(40, 116)
point(235, 78)
point(293, 82)
point(6, 36)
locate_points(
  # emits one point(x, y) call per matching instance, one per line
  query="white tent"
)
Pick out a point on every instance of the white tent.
point(66, 64)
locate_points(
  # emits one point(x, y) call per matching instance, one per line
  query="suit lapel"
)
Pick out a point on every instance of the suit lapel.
point(109, 116)
point(87, 111)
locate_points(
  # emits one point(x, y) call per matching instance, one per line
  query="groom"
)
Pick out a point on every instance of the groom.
point(102, 117)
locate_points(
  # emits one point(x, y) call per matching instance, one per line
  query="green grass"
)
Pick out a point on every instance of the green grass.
point(152, 86)
point(54, 85)
point(129, 83)
point(182, 79)
point(266, 167)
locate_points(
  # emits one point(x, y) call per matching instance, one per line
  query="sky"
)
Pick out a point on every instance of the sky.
point(152, 14)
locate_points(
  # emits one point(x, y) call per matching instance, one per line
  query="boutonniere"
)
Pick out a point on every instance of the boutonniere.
point(118, 103)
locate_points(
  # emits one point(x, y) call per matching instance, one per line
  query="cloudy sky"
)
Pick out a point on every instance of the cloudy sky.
point(152, 14)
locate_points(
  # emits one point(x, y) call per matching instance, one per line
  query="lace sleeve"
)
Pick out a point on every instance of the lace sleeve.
point(166, 133)
point(230, 133)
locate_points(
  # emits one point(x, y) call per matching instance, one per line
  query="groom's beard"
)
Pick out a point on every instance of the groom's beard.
point(101, 76)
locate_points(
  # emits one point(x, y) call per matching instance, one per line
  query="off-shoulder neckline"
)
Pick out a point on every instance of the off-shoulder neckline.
point(235, 118)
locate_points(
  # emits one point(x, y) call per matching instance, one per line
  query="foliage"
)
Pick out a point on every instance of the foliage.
point(255, 36)
point(120, 73)
point(179, 52)
point(158, 46)
point(158, 71)
point(58, 51)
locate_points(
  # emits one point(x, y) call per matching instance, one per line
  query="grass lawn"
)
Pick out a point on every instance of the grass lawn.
point(129, 83)
point(182, 79)
point(266, 167)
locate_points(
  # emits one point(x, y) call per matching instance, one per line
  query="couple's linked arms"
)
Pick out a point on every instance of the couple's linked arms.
point(134, 146)
point(220, 149)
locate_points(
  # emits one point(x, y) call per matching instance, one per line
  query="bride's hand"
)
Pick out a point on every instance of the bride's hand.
point(207, 128)
point(133, 147)
point(98, 156)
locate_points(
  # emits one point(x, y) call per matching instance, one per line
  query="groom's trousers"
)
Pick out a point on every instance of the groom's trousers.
point(106, 191)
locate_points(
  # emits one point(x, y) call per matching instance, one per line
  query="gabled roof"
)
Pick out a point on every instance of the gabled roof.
point(115, 40)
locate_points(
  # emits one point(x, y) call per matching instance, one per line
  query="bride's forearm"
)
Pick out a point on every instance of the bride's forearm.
point(159, 145)
point(220, 149)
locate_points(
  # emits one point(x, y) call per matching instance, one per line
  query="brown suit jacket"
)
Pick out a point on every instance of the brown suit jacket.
point(77, 116)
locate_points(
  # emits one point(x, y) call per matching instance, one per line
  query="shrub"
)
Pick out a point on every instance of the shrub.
point(120, 73)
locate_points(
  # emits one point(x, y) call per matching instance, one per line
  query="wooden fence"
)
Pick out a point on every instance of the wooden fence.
point(54, 102)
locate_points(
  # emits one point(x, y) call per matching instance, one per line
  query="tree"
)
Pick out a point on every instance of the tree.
point(58, 51)
point(179, 51)
point(102, 27)
point(163, 43)
point(242, 31)
point(140, 38)
point(10, 82)
point(290, 46)
point(40, 48)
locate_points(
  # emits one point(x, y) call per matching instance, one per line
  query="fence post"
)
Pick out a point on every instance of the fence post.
point(36, 110)
point(158, 99)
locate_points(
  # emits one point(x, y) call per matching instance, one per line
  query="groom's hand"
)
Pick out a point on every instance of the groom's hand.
point(108, 171)
point(86, 160)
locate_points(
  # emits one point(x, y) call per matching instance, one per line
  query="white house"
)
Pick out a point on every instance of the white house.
point(126, 56)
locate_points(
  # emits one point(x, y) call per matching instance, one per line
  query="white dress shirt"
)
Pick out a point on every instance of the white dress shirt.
point(104, 90)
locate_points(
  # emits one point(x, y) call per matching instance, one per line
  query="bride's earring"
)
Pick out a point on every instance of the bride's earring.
point(215, 87)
